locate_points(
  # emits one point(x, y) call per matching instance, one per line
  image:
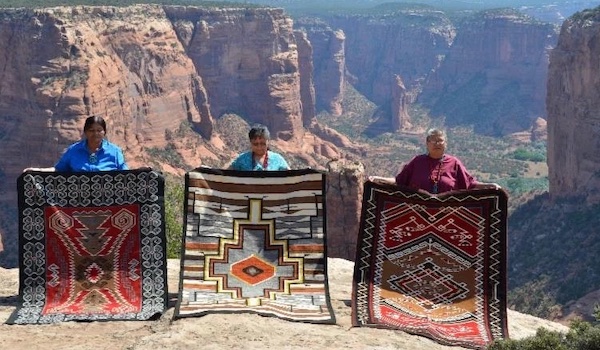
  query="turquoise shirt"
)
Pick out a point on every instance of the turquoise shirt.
point(274, 162)
point(77, 158)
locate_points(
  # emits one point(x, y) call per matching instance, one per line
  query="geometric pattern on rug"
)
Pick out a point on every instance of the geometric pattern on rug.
point(433, 265)
point(92, 247)
point(255, 242)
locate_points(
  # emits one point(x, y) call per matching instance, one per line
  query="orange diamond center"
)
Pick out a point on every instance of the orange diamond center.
point(253, 270)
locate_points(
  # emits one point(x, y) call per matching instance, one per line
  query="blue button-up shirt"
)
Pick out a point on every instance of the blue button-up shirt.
point(244, 162)
point(77, 158)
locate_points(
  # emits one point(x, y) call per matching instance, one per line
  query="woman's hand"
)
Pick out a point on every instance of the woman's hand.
point(382, 180)
point(39, 169)
point(488, 185)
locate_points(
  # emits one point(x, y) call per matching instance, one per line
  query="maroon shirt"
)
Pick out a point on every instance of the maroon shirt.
point(422, 172)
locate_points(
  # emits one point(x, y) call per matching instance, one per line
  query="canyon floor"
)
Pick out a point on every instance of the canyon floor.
point(232, 331)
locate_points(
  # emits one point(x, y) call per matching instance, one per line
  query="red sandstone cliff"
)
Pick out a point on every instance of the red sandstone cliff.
point(248, 61)
point(148, 70)
point(329, 63)
point(487, 70)
point(494, 74)
point(60, 65)
point(574, 109)
point(407, 42)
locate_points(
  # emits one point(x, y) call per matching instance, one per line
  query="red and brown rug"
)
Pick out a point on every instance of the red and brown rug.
point(255, 242)
point(433, 265)
point(91, 246)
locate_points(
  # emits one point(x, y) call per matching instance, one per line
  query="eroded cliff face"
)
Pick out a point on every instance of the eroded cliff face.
point(329, 59)
point(60, 65)
point(409, 43)
point(494, 75)
point(487, 70)
point(574, 109)
point(248, 61)
point(146, 69)
point(345, 189)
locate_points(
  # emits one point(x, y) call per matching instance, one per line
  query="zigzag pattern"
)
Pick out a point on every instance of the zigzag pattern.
point(433, 264)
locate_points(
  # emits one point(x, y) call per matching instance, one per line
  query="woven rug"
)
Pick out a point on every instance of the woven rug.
point(433, 265)
point(255, 242)
point(91, 246)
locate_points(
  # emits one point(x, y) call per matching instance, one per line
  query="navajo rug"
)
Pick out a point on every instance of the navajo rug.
point(433, 265)
point(255, 242)
point(91, 246)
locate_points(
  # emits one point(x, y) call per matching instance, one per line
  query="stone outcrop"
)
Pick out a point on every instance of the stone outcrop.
point(574, 108)
point(539, 130)
point(306, 69)
point(400, 117)
point(329, 63)
point(344, 201)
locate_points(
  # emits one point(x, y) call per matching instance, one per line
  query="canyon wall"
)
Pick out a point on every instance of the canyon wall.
point(329, 59)
point(407, 42)
point(494, 75)
point(248, 61)
point(147, 70)
point(487, 70)
point(574, 109)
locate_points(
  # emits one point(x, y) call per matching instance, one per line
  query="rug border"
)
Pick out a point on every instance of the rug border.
point(502, 290)
point(256, 174)
point(21, 200)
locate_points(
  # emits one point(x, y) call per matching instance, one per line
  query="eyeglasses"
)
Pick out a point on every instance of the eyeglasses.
point(256, 144)
point(437, 142)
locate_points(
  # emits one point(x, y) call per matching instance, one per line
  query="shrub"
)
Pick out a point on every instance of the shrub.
point(534, 156)
point(174, 197)
point(581, 336)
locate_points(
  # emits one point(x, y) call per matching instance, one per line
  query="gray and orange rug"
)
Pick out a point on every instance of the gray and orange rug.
point(433, 265)
point(91, 247)
point(255, 242)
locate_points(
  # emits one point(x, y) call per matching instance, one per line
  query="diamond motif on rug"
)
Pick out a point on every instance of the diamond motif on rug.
point(433, 265)
point(92, 247)
point(258, 246)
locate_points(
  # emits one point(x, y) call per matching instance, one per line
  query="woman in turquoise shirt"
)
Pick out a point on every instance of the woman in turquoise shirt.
point(259, 157)
point(92, 153)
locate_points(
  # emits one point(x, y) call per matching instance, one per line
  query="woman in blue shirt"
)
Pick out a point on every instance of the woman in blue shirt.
point(92, 153)
point(259, 157)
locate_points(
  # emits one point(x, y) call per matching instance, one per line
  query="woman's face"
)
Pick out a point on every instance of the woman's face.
point(259, 146)
point(436, 146)
point(94, 134)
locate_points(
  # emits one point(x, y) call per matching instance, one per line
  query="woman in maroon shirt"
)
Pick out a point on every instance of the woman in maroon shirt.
point(435, 172)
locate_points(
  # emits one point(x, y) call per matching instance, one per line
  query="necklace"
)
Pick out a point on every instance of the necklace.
point(435, 177)
point(265, 162)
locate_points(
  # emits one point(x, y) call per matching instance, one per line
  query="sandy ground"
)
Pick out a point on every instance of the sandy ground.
point(232, 331)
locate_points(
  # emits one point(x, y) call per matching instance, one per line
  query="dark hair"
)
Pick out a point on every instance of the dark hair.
point(89, 121)
point(259, 131)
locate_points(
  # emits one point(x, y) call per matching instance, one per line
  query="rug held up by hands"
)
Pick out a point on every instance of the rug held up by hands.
point(91, 247)
point(433, 265)
point(255, 242)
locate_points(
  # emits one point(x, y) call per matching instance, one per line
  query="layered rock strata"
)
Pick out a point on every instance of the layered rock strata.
point(148, 70)
point(574, 108)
